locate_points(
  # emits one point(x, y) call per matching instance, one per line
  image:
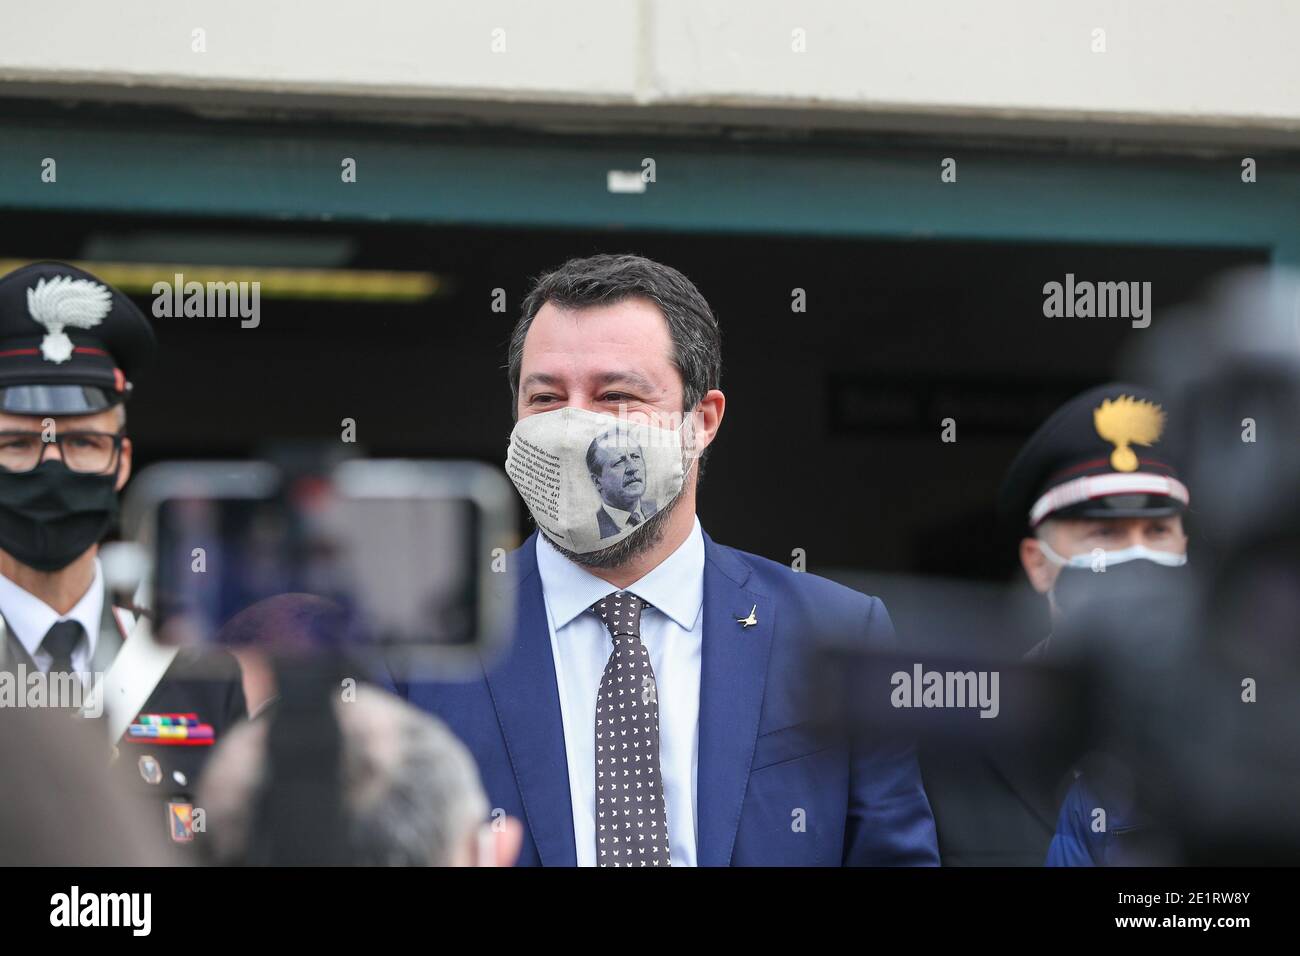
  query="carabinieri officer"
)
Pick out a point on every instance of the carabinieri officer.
point(70, 346)
point(1095, 488)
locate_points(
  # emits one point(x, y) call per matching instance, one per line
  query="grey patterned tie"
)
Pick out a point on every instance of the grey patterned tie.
point(631, 819)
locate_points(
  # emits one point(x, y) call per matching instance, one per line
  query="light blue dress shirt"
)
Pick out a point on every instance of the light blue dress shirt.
point(672, 632)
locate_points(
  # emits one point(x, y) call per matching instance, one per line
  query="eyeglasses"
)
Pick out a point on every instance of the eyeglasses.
point(87, 453)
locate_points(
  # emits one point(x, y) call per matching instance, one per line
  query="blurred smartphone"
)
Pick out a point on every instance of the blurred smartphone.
point(394, 563)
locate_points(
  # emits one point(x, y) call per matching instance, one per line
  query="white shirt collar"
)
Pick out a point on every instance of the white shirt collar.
point(30, 619)
point(675, 586)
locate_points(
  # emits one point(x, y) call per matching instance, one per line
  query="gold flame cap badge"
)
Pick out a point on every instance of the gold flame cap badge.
point(1127, 421)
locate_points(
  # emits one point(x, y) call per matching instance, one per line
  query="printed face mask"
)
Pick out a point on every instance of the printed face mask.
point(591, 480)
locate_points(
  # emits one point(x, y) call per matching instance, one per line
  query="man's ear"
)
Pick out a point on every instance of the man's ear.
point(124, 465)
point(707, 419)
point(1040, 571)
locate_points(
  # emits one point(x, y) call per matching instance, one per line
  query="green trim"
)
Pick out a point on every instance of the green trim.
point(169, 165)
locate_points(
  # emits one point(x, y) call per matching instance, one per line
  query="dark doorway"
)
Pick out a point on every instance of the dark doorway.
point(832, 434)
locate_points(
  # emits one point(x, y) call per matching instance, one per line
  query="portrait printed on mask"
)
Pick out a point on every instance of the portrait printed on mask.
point(617, 465)
point(591, 480)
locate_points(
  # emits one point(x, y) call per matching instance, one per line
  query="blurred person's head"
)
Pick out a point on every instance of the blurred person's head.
point(60, 804)
point(292, 625)
point(411, 795)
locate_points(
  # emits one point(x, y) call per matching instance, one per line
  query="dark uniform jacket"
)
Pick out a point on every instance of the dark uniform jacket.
point(995, 806)
point(200, 690)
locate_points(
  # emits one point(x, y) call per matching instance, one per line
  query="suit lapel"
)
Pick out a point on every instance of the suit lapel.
point(527, 701)
point(733, 675)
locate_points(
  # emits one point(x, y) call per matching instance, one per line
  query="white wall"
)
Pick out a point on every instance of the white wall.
point(1199, 68)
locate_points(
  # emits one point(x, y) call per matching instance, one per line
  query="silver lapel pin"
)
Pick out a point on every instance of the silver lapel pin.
point(748, 621)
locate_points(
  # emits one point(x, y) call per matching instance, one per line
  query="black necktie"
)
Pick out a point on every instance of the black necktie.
point(59, 642)
point(631, 819)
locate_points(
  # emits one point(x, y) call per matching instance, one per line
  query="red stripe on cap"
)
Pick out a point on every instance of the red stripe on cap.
point(1090, 487)
point(83, 349)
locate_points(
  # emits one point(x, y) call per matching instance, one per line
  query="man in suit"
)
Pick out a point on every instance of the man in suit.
point(69, 347)
point(654, 707)
point(616, 466)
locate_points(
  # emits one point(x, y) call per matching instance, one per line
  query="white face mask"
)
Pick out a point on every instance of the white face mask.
point(1099, 559)
point(591, 480)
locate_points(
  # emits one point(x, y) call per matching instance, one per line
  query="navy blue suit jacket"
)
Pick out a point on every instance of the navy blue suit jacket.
point(769, 791)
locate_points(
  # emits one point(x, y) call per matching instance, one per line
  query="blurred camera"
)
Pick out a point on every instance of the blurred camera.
point(395, 564)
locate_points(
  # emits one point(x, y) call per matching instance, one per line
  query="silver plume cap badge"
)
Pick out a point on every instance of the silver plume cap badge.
point(64, 301)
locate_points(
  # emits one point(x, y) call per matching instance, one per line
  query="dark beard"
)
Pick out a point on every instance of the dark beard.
point(643, 539)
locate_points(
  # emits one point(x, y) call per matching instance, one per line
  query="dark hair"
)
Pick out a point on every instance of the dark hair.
point(597, 280)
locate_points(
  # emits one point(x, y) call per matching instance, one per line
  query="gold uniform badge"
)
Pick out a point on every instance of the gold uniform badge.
point(1127, 421)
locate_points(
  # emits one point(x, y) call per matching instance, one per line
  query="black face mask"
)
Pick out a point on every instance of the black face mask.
point(1120, 585)
point(1137, 604)
point(50, 515)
